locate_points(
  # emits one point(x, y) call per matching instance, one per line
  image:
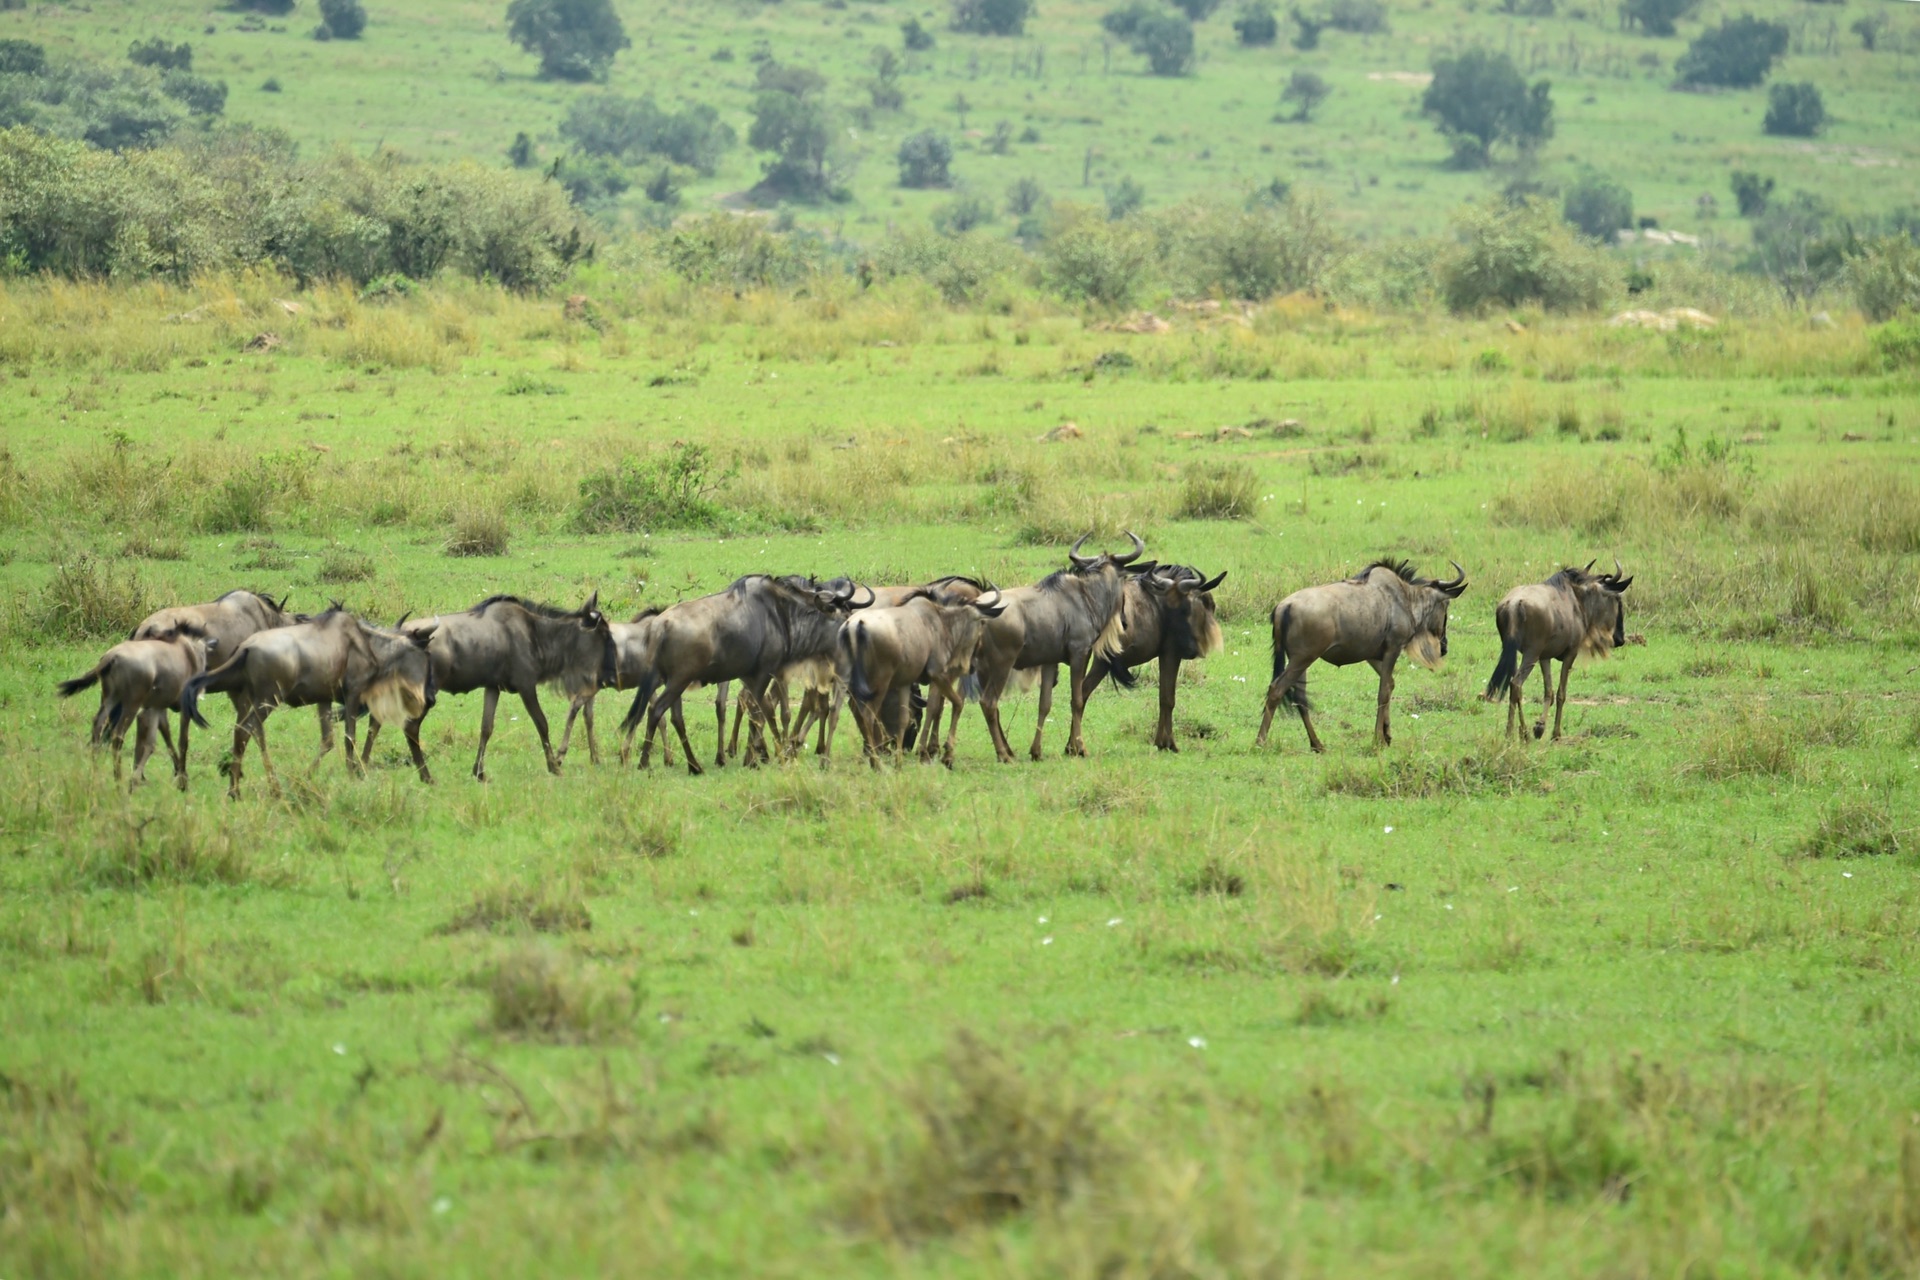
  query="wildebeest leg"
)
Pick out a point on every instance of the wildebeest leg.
point(180, 759)
point(1546, 695)
point(266, 761)
point(1560, 699)
point(593, 747)
point(143, 737)
point(1382, 726)
point(566, 731)
point(739, 714)
point(487, 708)
point(117, 739)
point(1169, 679)
point(349, 713)
point(720, 740)
point(680, 727)
point(325, 711)
point(530, 699)
point(166, 737)
point(1048, 674)
point(1077, 694)
point(366, 748)
point(990, 712)
point(1296, 671)
point(937, 699)
point(412, 730)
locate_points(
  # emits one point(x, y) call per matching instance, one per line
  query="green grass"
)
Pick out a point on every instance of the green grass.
point(1455, 1007)
point(442, 80)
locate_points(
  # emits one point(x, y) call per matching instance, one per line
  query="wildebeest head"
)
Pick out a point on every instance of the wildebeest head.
point(1185, 599)
point(595, 622)
point(1601, 605)
point(1428, 598)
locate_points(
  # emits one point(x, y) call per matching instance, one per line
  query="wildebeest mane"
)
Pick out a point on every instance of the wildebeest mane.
point(1403, 568)
point(531, 606)
point(1572, 577)
point(651, 611)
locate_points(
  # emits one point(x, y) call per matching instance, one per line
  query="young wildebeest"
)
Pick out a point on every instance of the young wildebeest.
point(1066, 617)
point(1373, 617)
point(885, 652)
point(508, 645)
point(227, 621)
point(141, 681)
point(1166, 614)
point(1574, 612)
point(334, 657)
point(749, 632)
point(633, 644)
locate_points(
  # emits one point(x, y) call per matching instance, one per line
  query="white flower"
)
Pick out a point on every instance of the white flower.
point(1847, 874)
point(1047, 941)
point(442, 1205)
point(1388, 831)
point(1198, 1042)
point(340, 1049)
point(1113, 922)
point(1395, 981)
point(833, 1059)
point(1043, 919)
point(1449, 906)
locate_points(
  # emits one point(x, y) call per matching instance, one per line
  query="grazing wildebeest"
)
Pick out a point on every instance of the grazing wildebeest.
point(1065, 617)
point(333, 657)
point(1373, 617)
point(140, 682)
point(1574, 612)
point(508, 645)
point(886, 652)
point(749, 632)
point(1167, 614)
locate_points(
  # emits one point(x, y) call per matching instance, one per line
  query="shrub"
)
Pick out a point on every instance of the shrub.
point(1657, 17)
point(1122, 22)
point(1166, 41)
point(23, 58)
point(961, 215)
point(992, 17)
point(1898, 344)
point(1124, 197)
point(924, 158)
point(1306, 90)
point(160, 55)
point(1229, 492)
point(737, 253)
point(914, 37)
point(676, 490)
point(343, 19)
point(1025, 197)
point(575, 39)
point(89, 598)
point(1251, 252)
point(513, 908)
point(638, 129)
point(1854, 829)
point(1800, 245)
point(1479, 100)
point(1737, 54)
point(478, 531)
point(960, 266)
point(1255, 26)
point(200, 96)
point(591, 182)
point(792, 121)
point(1598, 206)
point(1795, 111)
point(1751, 192)
point(246, 500)
point(1362, 17)
point(1886, 277)
point(1196, 10)
point(343, 564)
point(1511, 254)
point(1307, 29)
point(545, 994)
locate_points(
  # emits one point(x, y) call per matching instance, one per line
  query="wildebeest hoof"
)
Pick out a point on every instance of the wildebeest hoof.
point(1539, 731)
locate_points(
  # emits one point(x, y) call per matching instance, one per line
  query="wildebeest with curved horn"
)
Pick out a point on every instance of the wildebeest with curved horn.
point(928, 640)
point(1573, 613)
point(333, 657)
point(508, 645)
point(1167, 614)
point(227, 622)
point(749, 632)
point(1065, 617)
point(140, 683)
point(1373, 617)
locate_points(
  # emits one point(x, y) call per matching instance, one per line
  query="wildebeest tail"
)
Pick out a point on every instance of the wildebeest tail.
point(1509, 663)
point(854, 636)
point(1123, 676)
point(642, 695)
point(70, 687)
point(229, 675)
point(1297, 694)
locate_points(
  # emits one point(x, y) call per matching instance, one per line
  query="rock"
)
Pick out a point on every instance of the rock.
point(1145, 322)
point(1065, 431)
point(1820, 320)
point(1514, 326)
point(291, 308)
point(1689, 316)
point(579, 306)
point(262, 342)
point(1232, 433)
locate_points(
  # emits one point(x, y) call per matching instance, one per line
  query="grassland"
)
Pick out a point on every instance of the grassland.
point(1639, 1003)
point(442, 80)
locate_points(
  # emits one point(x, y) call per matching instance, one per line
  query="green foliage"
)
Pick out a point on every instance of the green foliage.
point(1598, 205)
point(1026, 197)
point(1306, 91)
point(1885, 276)
point(1898, 344)
point(1096, 259)
point(960, 265)
point(160, 55)
point(592, 181)
point(118, 108)
point(923, 158)
point(792, 121)
point(1229, 492)
point(88, 598)
point(1361, 17)
point(1509, 254)
point(1751, 193)
point(1657, 17)
point(343, 19)
point(992, 17)
point(21, 58)
point(272, 8)
point(634, 130)
point(1196, 10)
point(1166, 41)
point(575, 39)
point(200, 96)
point(735, 253)
point(672, 490)
point(1795, 111)
point(1121, 23)
point(1737, 54)
point(1800, 245)
point(1250, 251)
point(1255, 25)
point(963, 214)
point(1870, 29)
point(1479, 100)
point(1307, 29)
point(914, 37)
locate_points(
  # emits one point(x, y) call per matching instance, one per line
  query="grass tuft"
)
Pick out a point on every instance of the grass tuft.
point(477, 531)
point(90, 598)
point(1854, 829)
point(507, 908)
point(543, 994)
point(1228, 492)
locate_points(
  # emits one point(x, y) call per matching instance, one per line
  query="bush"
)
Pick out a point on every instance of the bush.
point(1196, 10)
point(1513, 254)
point(199, 96)
point(960, 266)
point(1255, 26)
point(1122, 22)
point(1795, 111)
point(576, 39)
point(1737, 54)
point(1251, 252)
point(22, 58)
point(961, 215)
point(1886, 278)
point(914, 37)
point(1657, 17)
point(1898, 344)
point(1479, 99)
point(735, 253)
point(635, 130)
point(924, 158)
point(1598, 206)
point(992, 17)
point(1362, 17)
point(1228, 492)
point(1751, 192)
point(478, 530)
point(545, 994)
point(89, 598)
point(1166, 41)
point(1306, 90)
point(1089, 258)
point(343, 19)
point(160, 55)
point(676, 490)
point(1124, 197)
point(792, 121)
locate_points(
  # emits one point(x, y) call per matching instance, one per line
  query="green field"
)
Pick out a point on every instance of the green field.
point(441, 79)
point(1641, 1002)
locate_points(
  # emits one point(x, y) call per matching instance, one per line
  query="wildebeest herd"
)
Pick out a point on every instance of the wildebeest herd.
point(901, 655)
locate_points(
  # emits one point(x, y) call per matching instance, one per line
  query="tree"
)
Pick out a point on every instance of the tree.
point(343, 19)
point(1795, 111)
point(1657, 17)
point(1479, 100)
point(1515, 253)
point(1166, 40)
point(1751, 192)
point(1307, 29)
point(1025, 197)
point(662, 189)
point(1124, 198)
point(1306, 90)
point(1869, 30)
point(520, 151)
point(1362, 17)
point(591, 182)
point(924, 158)
point(962, 214)
point(1598, 206)
point(160, 55)
point(1737, 54)
point(1797, 244)
point(1256, 27)
point(914, 37)
point(791, 120)
point(1197, 10)
point(22, 58)
point(200, 96)
point(637, 129)
point(884, 89)
point(576, 39)
point(1121, 23)
point(992, 17)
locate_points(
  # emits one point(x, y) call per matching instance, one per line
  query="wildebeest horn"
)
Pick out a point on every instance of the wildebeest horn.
point(282, 606)
point(1590, 564)
point(1211, 584)
point(401, 621)
point(987, 601)
point(859, 604)
point(1139, 549)
point(1616, 566)
point(1073, 552)
point(593, 602)
point(1459, 574)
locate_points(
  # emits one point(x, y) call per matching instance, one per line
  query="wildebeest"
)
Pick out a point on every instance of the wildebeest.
point(928, 640)
point(226, 621)
point(748, 632)
point(141, 682)
point(1575, 612)
point(1167, 614)
point(333, 657)
point(1373, 617)
point(632, 656)
point(508, 645)
point(1065, 617)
